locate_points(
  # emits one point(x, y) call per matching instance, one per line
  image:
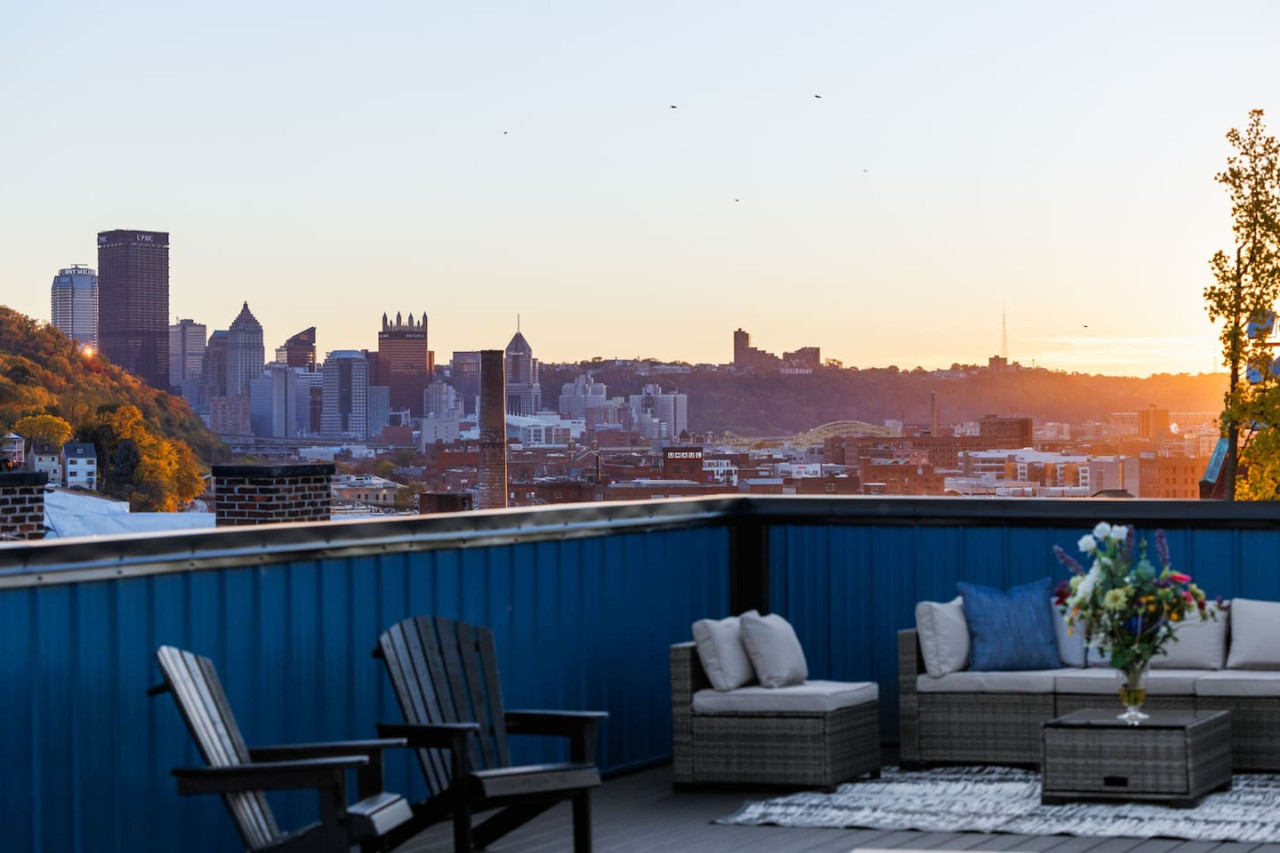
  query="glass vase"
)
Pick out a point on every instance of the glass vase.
point(1133, 691)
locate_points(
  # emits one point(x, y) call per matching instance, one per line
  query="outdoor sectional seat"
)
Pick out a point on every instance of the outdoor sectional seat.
point(970, 717)
point(806, 734)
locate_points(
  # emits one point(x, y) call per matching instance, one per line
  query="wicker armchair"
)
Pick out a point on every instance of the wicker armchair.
point(780, 749)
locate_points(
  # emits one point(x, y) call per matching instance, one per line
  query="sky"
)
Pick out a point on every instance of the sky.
point(890, 182)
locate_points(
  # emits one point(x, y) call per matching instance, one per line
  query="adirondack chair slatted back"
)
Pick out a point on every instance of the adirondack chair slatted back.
point(195, 687)
point(447, 672)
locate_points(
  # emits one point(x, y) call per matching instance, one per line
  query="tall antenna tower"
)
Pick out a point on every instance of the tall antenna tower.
point(1004, 334)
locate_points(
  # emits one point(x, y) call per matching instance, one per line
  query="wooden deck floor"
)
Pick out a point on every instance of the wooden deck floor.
point(640, 812)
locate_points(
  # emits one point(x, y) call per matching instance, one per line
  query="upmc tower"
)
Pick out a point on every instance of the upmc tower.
point(133, 302)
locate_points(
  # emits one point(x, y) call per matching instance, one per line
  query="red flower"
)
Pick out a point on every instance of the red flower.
point(1179, 577)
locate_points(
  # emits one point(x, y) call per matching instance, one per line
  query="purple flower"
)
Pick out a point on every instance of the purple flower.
point(1126, 552)
point(1067, 560)
point(1164, 583)
point(1162, 548)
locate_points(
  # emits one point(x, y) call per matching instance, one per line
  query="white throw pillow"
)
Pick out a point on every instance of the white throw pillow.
point(1255, 635)
point(724, 658)
point(1201, 644)
point(944, 636)
point(774, 650)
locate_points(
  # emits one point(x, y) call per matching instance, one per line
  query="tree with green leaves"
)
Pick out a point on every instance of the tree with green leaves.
point(1243, 296)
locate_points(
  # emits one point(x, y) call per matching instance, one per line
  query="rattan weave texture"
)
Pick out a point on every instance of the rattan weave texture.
point(1180, 761)
point(801, 749)
point(1004, 728)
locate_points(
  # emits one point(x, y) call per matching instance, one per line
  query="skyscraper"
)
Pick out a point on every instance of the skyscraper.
point(245, 353)
point(405, 364)
point(300, 350)
point(133, 302)
point(74, 296)
point(524, 394)
point(346, 395)
point(213, 367)
point(187, 340)
point(464, 376)
point(274, 402)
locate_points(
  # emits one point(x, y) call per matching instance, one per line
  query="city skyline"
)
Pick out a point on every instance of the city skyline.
point(885, 184)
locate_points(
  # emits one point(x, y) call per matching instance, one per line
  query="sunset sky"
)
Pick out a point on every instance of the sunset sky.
point(328, 162)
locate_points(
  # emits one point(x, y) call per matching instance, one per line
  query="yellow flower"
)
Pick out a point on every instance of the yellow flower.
point(1116, 599)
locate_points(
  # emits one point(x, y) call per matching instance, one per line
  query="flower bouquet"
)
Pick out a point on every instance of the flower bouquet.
point(1128, 608)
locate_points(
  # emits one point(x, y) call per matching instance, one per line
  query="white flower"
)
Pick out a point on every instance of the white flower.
point(1088, 544)
point(1119, 533)
point(1102, 531)
point(1085, 590)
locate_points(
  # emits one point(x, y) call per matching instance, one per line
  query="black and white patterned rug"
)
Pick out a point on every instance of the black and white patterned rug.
point(998, 799)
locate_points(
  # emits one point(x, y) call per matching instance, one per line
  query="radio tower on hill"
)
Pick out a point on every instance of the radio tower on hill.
point(1004, 335)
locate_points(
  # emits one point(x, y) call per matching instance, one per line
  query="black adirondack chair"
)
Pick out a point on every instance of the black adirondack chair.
point(445, 675)
point(241, 775)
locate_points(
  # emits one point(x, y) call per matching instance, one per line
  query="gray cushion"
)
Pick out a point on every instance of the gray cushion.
point(1201, 644)
point(944, 636)
point(1096, 681)
point(724, 658)
point(983, 681)
point(774, 650)
point(812, 696)
point(1238, 683)
point(1255, 635)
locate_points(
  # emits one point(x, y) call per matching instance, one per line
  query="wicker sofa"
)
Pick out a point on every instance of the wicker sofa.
point(749, 737)
point(996, 717)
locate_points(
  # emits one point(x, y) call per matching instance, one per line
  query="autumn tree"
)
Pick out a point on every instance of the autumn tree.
point(1243, 295)
point(44, 428)
point(154, 473)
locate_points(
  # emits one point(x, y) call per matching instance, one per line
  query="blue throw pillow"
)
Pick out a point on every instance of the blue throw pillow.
point(1010, 630)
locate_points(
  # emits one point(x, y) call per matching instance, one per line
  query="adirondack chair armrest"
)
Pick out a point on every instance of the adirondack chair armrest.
point(269, 776)
point(580, 726)
point(431, 736)
point(290, 751)
point(368, 778)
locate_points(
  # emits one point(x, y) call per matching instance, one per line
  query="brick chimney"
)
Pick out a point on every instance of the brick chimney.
point(22, 504)
point(268, 494)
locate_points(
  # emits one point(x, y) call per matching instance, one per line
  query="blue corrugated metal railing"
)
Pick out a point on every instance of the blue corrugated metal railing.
point(583, 601)
point(581, 622)
point(849, 582)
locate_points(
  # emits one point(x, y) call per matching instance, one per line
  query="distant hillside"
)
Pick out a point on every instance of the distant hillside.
point(41, 372)
point(772, 404)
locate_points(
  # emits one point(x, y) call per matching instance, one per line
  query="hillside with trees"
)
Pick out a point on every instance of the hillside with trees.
point(771, 404)
point(152, 450)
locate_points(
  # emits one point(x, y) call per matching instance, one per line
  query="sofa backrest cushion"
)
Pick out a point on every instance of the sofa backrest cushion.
point(943, 635)
point(1010, 629)
point(1200, 644)
point(774, 650)
point(724, 658)
point(1255, 635)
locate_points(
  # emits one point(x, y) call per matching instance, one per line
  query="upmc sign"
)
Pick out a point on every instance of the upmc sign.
point(681, 454)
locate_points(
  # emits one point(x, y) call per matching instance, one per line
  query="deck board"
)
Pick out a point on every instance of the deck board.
point(640, 812)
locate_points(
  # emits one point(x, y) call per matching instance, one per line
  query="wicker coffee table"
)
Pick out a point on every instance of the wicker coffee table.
point(1175, 757)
